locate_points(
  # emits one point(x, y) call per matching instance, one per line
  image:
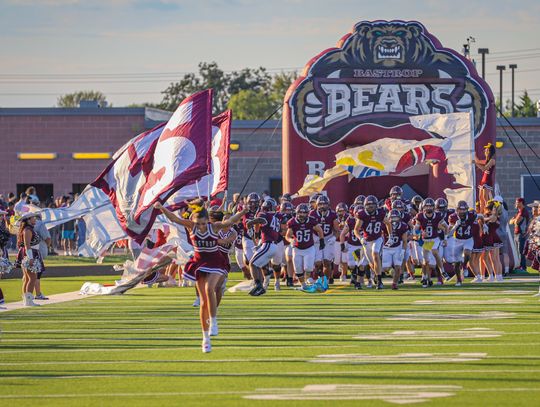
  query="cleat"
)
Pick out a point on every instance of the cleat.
point(380, 285)
point(254, 288)
point(290, 282)
point(446, 276)
point(370, 283)
point(41, 297)
point(430, 283)
point(424, 283)
point(357, 286)
point(206, 346)
point(331, 281)
point(394, 286)
point(277, 286)
point(259, 291)
point(458, 284)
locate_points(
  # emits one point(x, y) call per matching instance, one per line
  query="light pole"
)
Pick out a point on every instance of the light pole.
point(501, 68)
point(512, 67)
point(483, 52)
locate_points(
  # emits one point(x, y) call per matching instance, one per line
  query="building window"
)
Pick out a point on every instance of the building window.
point(276, 187)
point(45, 192)
point(529, 191)
point(78, 188)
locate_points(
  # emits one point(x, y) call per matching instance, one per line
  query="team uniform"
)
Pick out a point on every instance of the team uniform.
point(393, 252)
point(340, 256)
point(355, 253)
point(265, 251)
point(327, 225)
point(287, 246)
point(226, 248)
point(372, 230)
point(462, 238)
point(443, 251)
point(280, 243)
point(430, 230)
point(303, 252)
point(207, 257)
point(248, 237)
point(238, 248)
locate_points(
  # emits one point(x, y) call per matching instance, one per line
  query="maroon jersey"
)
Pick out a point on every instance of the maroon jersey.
point(477, 236)
point(303, 232)
point(270, 228)
point(464, 230)
point(372, 224)
point(239, 228)
point(284, 219)
point(326, 221)
point(429, 226)
point(207, 255)
point(351, 238)
point(395, 237)
point(249, 233)
point(224, 249)
point(446, 215)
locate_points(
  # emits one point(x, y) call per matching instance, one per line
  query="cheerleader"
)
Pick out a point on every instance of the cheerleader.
point(487, 166)
point(29, 256)
point(208, 267)
point(493, 242)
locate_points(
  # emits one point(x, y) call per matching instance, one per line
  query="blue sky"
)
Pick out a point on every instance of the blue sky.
point(68, 45)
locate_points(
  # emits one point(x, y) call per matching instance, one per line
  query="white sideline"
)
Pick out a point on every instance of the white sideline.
point(53, 299)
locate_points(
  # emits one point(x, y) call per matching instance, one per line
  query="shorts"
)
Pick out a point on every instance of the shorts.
point(431, 244)
point(456, 248)
point(248, 246)
point(239, 253)
point(328, 252)
point(372, 247)
point(68, 234)
point(263, 254)
point(303, 260)
point(288, 253)
point(339, 256)
point(279, 257)
point(416, 252)
point(392, 256)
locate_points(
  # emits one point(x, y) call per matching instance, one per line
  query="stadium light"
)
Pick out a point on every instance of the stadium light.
point(36, 156)
point(91, 156)
point(234, 146)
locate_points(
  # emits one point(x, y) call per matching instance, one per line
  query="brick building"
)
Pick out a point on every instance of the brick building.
point(74, 145)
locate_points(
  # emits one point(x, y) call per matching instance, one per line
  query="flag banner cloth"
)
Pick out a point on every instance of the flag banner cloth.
point(218, 179)
point(452, 142)
point(90, 199)
point(158, 162)
point(181, 154)
point(460, 156)
point(102, 230)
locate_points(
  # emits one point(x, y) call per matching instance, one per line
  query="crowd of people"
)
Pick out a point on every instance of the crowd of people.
point(310, 245)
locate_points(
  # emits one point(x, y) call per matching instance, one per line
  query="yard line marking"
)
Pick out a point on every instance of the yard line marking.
point(468, 333)
point(425, 316)
point(412, 358)
point(396, 394)
point(497, 301)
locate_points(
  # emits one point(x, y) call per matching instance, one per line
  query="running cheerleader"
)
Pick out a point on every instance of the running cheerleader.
point(208, 267)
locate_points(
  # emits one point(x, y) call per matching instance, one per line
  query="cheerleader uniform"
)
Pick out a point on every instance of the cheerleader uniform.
point(487, 179)
point(478, 238)
point(207, 257)
point(495, 240)
point(34, 247)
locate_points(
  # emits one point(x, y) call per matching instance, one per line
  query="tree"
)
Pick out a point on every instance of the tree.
point(250, 104)
point(526, 107)
point(73, 99)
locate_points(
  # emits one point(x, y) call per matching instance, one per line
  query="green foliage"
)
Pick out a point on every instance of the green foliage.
point(73, 99)
point(526, 106)
point(236, 90)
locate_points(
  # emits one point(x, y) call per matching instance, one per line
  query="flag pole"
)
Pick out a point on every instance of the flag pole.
point(198, 191)
point(473, 157)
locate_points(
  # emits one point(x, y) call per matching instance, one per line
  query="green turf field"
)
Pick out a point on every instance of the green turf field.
point(478, 345)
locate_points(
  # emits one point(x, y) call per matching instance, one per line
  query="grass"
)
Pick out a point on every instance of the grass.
point(143, 348)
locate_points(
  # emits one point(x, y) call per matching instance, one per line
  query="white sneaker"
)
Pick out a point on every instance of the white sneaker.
point(370, 283)
point(458, 284)
point(197, 302)
point(477, 280)
point(206, 346)
point(343, 278)
point(184, 283)
point(491, 279)
point(30, 300)
point(277, 286)
point(500, 278)
point(310, 281)
point(266, 283)
point(214, 329)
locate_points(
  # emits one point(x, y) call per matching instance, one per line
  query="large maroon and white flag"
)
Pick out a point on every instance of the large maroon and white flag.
point(218, 179)
point(181, 155)
point(134, 165)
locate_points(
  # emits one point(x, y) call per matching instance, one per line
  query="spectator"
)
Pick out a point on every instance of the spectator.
point(11, 197)
point(44, 243)
point(5, 236)
point(31, 192)
point(3, 203)
point(521, 222)
point(20, 204)
point(68, 237)
point(502, 233)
